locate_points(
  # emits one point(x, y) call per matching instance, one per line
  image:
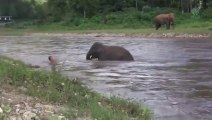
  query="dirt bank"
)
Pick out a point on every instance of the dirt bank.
point(17, 106)
point(145, 35)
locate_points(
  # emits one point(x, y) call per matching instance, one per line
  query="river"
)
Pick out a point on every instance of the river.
point(172, 76)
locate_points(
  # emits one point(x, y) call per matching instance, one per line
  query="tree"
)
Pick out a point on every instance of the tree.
point(57, 9)
point(204, 4)
point(16, 8)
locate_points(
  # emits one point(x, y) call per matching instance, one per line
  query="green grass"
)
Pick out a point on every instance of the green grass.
point(126, 31)
point(55, 88)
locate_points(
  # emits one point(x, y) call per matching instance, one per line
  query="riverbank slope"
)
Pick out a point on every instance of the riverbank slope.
point(17, 78)
point(127, 32)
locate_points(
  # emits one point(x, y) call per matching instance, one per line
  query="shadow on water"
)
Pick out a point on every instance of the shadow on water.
point(172, 76)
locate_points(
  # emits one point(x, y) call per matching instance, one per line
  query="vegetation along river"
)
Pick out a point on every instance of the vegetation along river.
point(172, 76)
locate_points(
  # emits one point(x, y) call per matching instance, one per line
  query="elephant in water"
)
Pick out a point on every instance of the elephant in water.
point(108, 53)
point(168, 19)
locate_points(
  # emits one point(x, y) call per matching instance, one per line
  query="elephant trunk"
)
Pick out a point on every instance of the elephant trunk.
point(87, 57)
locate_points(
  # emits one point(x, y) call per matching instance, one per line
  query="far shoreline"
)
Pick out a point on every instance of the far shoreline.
point(139, 35)
point(127, 32)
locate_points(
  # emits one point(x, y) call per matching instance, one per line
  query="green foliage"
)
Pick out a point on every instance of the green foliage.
point(146, 8)
point(16, 8)
point(99, 14)
point(57, 9)
point(53, 118)
point(40, 11)
point(195, 13)
point(63, 10)
point(207, 13)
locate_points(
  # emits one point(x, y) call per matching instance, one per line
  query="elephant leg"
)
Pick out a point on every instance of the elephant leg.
point(157, 26)
point(168, 25)
point(173, 25)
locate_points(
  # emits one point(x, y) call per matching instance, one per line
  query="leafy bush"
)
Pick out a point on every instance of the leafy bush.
point(114, 18)
point(96, 19)
point(146, 8)
point(195, 13)
point(207, 13)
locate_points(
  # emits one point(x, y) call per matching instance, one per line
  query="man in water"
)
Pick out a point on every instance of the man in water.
point(52, 60)
point(53, 63)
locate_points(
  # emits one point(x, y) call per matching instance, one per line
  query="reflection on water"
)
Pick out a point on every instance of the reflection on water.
point(172, 76)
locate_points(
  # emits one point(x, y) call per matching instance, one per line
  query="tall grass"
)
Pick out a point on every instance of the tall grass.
point(53, 87)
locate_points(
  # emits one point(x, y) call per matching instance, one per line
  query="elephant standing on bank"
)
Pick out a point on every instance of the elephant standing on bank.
point(111, 53)
point(168, 19)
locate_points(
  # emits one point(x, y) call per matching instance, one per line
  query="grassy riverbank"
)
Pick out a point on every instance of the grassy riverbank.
point(54, 88)
point(148, 32)
point(196, 27)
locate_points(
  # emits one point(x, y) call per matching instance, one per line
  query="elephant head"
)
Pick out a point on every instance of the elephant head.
point(94, 51)
point(111, 53)
point(172, 19)
point(168, 19)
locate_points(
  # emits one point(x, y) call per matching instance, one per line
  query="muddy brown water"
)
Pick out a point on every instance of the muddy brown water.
point(172, 76)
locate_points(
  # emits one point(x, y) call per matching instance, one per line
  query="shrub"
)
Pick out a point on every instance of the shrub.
point(146, 8)
point(195, 13)
point(207, 13)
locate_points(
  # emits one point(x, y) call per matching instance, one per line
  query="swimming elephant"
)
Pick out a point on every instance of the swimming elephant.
point(111, 53)
point(168, 19)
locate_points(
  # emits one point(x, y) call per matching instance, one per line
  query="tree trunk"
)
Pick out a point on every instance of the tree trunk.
point(84, 13)
point(190, 4)
point(204, 4)
point(182, 8)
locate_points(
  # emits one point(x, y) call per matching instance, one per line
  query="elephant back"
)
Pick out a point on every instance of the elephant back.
point(121, 52)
